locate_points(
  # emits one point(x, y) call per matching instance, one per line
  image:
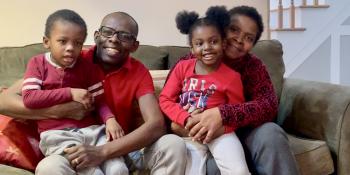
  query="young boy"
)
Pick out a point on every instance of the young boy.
point(60, 76)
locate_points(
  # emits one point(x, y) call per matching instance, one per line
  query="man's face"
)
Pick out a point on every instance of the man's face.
point(113, 45)
point(240, 36)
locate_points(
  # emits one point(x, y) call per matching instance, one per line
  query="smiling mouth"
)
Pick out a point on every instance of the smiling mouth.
point(208, 56)
point(111, 51)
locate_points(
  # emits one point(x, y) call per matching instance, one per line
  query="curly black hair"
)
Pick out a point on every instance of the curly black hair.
point(66, 15)
point(252, 13)
point(216, 16)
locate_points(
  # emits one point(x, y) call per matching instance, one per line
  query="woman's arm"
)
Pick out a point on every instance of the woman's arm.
point(261, 100)
point(260, 106)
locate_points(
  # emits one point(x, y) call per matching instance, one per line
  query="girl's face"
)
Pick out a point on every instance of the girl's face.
point(65, 42)
point(207, 45)
point(240, 36)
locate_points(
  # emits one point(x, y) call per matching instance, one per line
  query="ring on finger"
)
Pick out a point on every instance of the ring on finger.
point(76, 161)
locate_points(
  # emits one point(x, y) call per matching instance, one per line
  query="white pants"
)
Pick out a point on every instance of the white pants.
point(226, 150)
point(166, 156)
point(53, 142)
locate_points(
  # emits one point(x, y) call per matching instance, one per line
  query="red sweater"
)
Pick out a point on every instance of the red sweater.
point(261, 100)
point(46, 84)
point(200, 91)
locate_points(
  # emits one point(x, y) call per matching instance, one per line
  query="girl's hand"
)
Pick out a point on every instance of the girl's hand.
point(113, 129)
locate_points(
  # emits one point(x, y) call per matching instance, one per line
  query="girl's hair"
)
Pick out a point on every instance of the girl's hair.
point(216, 16)
point(66, 15)
point(253, 14)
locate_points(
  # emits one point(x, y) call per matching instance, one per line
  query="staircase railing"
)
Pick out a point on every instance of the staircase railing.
point(291, 8)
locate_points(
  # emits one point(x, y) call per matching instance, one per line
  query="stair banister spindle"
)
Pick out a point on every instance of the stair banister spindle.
point(280, 14)
point(304, 2)
point(292, 14)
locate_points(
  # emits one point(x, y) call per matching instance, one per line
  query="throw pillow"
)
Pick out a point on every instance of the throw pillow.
point(19, 142)
point(159, 77)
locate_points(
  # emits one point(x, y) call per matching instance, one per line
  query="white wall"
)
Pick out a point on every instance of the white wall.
point(22, 22)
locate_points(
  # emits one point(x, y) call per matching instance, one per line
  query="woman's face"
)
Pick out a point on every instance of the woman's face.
point(240, 36)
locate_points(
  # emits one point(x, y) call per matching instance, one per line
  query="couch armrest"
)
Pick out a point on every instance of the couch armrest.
point(319, 111)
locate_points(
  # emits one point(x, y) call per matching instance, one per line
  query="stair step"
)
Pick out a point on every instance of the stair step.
point(313, 6)
point(302, 7)
point(300, 29)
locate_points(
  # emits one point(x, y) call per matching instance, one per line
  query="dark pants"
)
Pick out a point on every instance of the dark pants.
point(267, 151)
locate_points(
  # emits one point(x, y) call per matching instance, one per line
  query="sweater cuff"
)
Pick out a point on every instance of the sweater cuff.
point(182, 118)
point(224, 114)
point(68, 94)
point(105, 113)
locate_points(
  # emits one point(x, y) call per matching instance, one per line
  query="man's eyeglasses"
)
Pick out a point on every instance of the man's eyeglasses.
point(122, 36)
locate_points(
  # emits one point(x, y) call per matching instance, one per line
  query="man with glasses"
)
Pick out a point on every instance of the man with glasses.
point(126, 81)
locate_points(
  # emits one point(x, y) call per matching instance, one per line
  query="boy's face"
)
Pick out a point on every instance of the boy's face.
point(240, 36)
point(207, 45)
point(113, 50)
point(65, 42)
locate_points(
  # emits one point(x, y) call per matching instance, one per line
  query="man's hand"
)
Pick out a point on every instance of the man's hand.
point(113, 129)
point(82, 96)
point(83, 156)
point(179, 130)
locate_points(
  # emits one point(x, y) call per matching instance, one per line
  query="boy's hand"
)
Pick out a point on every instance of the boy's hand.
point(113, 129)
point(82, 96)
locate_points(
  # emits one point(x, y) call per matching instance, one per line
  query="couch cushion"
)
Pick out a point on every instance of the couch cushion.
point(13, 61)
point(159, 77)
point(19, 144)
point(152, 57)
point(174, 53)
point(8, 170)
point(270, 52)
point(307, 152)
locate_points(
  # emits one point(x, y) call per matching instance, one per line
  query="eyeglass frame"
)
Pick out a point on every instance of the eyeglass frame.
point(118, 34)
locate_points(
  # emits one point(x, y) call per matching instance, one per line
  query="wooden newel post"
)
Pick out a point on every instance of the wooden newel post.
point(292, 14)
point(304, 2)
point(280, 14)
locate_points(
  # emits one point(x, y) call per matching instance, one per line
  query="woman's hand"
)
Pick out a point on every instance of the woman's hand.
point(210, 122)
point(83, 156)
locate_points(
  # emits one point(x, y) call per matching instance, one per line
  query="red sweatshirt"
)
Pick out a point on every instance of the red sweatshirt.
point(200, 91)
point(261, 100)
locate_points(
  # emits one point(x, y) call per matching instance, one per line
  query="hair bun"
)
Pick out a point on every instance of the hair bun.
point(184, 20)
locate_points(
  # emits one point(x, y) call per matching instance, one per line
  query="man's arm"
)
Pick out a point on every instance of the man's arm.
point(11, 104)
point(147, 133)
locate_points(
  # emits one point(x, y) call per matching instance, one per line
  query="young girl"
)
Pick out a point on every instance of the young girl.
point(204, 83)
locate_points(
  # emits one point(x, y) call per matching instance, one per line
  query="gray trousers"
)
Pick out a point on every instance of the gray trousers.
point(267, 151)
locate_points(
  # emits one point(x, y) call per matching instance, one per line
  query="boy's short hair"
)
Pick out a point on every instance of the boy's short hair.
point(66, 15)
point(252, 13)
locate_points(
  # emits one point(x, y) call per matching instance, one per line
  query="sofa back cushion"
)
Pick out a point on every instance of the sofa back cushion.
point(152, 57)
point(174, 53)
point(271, 54)
point(13, 61)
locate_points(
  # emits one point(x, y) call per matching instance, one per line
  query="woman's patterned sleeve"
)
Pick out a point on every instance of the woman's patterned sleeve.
point(261, 100)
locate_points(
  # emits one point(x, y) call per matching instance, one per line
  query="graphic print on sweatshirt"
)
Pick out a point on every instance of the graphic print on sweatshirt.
point(196, 92)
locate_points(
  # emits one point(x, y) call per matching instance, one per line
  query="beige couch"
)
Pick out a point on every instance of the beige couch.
point(317, 113)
